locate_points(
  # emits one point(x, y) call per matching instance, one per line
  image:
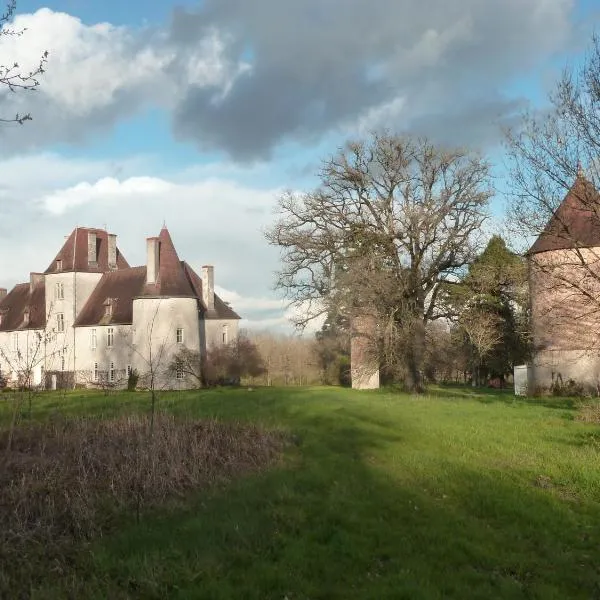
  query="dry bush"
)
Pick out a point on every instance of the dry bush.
point(589, 413)
point(70, 480)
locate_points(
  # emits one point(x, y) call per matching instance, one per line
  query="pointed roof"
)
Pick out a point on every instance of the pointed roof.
point(575, 223)
point(74, 253)
point(171, 280)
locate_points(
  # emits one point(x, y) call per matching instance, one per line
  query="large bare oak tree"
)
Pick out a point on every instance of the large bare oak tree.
point(392, 219)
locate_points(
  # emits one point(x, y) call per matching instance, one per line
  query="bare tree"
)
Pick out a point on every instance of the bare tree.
point(154, 358)
point(12, 76)
point(392, 219)
point(552, 157)
point(482, 330)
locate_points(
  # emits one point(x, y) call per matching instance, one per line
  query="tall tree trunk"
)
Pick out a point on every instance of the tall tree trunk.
point(416, 356)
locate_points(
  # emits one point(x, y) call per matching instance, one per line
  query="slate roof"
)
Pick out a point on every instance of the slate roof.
point(575, 223)
point(20, 299)
point(74, 253)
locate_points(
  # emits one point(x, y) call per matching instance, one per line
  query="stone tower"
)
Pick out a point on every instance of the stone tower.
point(364, 355)
point(564, 284)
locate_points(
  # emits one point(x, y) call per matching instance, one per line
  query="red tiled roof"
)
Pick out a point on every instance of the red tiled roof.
point(175, 279)
point(221, 309)
point(20, 299)
point(121, 287)
point(74, 253)
point(171, 280)
point(576, 222)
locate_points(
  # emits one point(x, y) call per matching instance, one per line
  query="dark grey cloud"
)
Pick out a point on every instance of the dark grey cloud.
point(318, 65)
point(245, 76)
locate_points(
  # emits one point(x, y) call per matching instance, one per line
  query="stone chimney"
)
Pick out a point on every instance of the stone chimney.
point(152, 259)
point(3, 293)
point(208, 286)
point(34, 279)
point(92, 249)
point(112, 252)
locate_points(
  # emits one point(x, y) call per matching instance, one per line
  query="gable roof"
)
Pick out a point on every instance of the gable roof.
point(120, 287)
point(74, 253)
point(21, 298)
point(575, 223)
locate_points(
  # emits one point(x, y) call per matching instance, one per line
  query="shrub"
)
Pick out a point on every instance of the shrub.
point(132, 380)
point(589, 413)
point(569, 389)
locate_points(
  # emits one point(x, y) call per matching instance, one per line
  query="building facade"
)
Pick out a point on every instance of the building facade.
point(90, 318)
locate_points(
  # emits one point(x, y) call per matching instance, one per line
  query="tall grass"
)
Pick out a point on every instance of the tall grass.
point(70, 480)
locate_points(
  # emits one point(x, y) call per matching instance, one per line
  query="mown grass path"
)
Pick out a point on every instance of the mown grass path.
point(379, 495)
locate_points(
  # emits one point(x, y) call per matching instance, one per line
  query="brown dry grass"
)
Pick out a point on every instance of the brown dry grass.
point(70, 480)
point(589, 413)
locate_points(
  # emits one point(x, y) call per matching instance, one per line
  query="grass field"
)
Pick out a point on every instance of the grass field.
point(377, 495)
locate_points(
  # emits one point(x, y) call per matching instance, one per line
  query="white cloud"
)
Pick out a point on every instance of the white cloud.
point(99, 73)
point(212, 220)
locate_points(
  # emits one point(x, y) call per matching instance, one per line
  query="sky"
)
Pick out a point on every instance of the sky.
point(199, 114)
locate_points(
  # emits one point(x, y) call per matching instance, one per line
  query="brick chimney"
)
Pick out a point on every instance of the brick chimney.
point(152, 259)
point(34, 279)
point(92, 249)
point(208, 286)
point(3, 293)
point(112, 252)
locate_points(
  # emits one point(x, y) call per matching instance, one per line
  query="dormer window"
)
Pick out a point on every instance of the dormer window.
point(59, 265)
point(109, 305)
point(26, 317)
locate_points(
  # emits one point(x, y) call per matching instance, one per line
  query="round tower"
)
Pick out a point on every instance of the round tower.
point(564, 284)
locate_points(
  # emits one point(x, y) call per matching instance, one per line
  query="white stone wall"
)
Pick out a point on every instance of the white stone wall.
point(154, 336)
point(212, 331)
point(76, 288)
point(29, 355)
point(120, 354)
point(580, 365)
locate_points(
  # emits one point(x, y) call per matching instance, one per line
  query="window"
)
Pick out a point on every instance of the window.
point(180, 335)
point(93, 339)
point(60, 322)
point(111, 372)
point(59, 265)
point(225, 334)
point(15, 341)
point(59, 291)
point(95, 371)
point(179, 370)
point(110, 337)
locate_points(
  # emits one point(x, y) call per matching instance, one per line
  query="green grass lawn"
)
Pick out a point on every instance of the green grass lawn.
point(457, 494)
